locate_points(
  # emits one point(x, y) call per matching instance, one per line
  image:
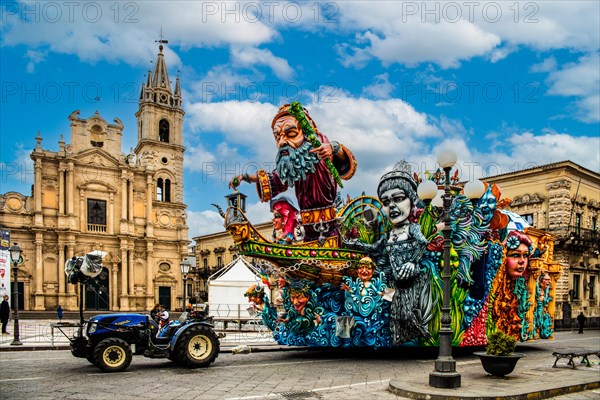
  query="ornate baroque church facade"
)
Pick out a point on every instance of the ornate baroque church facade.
point(91, 196)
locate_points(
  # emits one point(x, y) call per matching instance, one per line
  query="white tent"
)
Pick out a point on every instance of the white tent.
point(226, 289)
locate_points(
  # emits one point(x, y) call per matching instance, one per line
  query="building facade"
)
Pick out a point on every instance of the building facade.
point(89, 195)
point(563, 199)
point(213, 252)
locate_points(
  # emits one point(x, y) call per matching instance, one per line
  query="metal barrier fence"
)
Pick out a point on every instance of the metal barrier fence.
point(43, 332)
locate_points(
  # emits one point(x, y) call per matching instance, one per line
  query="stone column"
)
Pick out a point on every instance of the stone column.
point(130, 268)
point(111, 213)
point(123, 227)
point(82, 211)
point(61, 271)
point(130, 201)
point(72, 302)
point(149, 275)
point(70, 195)
point(39, 273)
point(114, 285)
point(61, 189)
point(37, 193)
point(37, 187)
point(149, 197)
point(124, 269)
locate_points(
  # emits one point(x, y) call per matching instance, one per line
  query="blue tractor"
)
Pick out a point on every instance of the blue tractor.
point(109, 341)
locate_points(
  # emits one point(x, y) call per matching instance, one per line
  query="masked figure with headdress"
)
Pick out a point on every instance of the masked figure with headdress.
point(399, 254)
point(302, 166)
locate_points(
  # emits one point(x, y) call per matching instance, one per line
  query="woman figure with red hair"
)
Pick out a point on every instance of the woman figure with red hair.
point(509, 299)
point(285, 222)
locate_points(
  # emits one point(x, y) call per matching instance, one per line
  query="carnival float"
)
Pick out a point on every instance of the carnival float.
point(369, 272)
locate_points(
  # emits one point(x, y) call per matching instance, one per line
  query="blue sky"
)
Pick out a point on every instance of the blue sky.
point(509, 85)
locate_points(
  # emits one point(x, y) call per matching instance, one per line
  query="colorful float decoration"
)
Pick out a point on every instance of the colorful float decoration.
point(368, 272)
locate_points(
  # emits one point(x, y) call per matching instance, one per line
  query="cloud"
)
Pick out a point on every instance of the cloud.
point(447, 33)
point(204, 222)
point(18, 172)
point(581, 80)
point(549, 64)
point(446, 44)
point(381, 88)
point(240, 122)
point(123, 31)
point(35, 57)
point(252, 57)
point(553, 147)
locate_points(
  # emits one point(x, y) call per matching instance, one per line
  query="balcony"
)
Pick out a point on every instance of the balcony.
point(95, 228)
point(577, 239)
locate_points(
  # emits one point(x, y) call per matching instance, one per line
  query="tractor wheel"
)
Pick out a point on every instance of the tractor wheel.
point(112, 355)
point(197, 347)
point(90, 358)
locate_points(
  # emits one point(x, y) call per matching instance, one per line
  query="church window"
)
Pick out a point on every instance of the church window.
point(528, 218)
point(163, 189)
point(164, 267)
point(163, 131)
point(576, 283)
point(159, 189)
point(96, 215)
point(219, 262)
point(167, 196)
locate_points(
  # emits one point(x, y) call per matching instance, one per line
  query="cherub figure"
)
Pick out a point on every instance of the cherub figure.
point(365, 295)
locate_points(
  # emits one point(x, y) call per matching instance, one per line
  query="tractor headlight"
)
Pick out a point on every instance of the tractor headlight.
point(92, 327)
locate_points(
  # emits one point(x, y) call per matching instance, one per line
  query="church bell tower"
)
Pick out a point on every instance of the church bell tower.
point(160, 132)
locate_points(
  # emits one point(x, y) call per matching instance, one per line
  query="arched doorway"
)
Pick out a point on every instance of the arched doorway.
point(97, 292)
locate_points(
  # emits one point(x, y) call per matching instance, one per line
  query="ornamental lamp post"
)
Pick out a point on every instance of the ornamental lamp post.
point(444, 373)
point(16, 258)
point(474, 190)
point(185, 269)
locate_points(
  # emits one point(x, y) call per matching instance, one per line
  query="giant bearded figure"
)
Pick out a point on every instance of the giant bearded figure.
point(300, 165)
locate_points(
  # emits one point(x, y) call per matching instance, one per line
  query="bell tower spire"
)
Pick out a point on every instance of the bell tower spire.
point(160, 131)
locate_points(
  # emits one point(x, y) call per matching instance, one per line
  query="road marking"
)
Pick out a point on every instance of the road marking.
point(22, 379)
point(314, 390)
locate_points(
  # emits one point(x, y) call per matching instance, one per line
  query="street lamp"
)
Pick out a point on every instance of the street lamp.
point(444, 373)
point(185, 269)
point(15, 257)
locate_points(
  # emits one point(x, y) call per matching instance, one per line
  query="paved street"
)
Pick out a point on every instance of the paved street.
point(272, 375)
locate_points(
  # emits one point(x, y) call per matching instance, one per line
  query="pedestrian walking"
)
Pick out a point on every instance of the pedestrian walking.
point(59, 312)
point(4, 313)
point(581, 321)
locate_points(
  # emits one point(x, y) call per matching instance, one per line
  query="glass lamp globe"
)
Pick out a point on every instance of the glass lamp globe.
point(447, 158)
